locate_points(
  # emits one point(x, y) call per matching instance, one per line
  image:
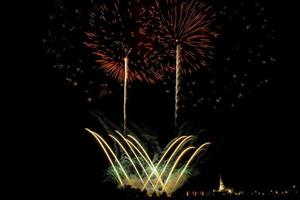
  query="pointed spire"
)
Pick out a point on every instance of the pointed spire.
point(221, 185)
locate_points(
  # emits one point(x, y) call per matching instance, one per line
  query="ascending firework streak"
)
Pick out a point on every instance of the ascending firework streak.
point(125, 93)
point(178, 78)
point(186, 25)
point(135, 168)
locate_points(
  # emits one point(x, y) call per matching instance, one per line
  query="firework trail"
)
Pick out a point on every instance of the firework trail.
point(177, 82)
point(186, 26)
point(125, 93)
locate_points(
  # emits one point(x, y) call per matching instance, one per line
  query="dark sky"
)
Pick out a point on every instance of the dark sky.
point(257, 143)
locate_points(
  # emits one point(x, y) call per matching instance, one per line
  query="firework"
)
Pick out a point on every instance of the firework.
point(135, 167)
point(118, 41)
point(186, 28)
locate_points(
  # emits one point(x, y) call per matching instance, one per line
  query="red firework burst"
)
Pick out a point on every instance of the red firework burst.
point(116, 33)
point(190, 24)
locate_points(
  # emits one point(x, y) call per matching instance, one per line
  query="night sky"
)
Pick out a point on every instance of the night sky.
point(246, 101)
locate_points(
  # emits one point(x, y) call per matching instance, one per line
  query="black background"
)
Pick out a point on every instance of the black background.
point(49, 154)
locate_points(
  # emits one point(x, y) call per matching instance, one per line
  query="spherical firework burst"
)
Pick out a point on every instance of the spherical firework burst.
point(116, 35)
